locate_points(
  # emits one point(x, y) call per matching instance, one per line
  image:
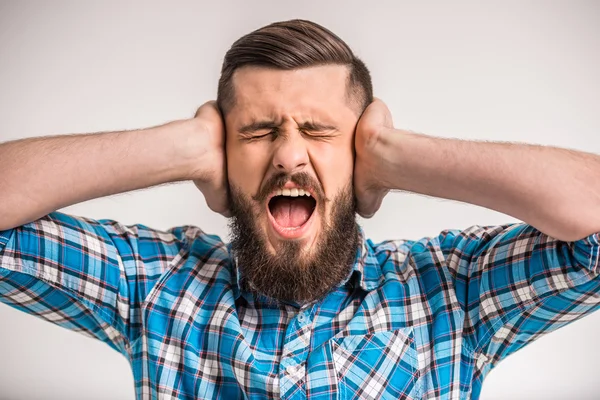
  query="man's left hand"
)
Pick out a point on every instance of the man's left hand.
point(371, 170)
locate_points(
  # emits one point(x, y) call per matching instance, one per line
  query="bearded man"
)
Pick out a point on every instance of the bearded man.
point(300, 303)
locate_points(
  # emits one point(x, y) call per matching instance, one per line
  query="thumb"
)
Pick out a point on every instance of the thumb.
point(381, 115)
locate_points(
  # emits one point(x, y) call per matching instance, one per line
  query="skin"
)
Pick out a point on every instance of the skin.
point(512, 178)
point(288, 101)
point(188, 149)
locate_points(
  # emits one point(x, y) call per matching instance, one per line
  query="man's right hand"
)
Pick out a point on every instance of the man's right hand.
point(211, 175)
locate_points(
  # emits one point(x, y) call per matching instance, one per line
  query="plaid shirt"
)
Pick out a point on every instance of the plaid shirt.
point(415, 319)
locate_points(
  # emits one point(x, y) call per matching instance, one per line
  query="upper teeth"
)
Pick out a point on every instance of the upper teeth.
point(295, 192)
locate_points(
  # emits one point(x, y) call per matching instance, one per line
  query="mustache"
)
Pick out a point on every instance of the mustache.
point(278, 180)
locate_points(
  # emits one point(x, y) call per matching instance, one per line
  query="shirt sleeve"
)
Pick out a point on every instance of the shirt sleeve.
point(86, 275)
point(516, 284)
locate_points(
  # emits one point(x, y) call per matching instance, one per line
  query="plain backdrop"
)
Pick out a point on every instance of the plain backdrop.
point(519, 71)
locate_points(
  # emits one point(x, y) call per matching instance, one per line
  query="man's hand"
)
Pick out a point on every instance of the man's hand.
point(511, 178)
point(212, 172)
point(370, 168)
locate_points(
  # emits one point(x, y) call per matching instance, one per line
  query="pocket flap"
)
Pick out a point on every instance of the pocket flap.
point(377, 365)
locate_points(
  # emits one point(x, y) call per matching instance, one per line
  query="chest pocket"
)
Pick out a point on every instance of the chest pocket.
point(381, 365)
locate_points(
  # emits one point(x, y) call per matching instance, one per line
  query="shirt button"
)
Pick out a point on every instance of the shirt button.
point(301, 317)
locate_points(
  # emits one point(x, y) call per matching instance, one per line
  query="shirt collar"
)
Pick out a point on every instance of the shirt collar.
point(365, 273)
point(366, 270)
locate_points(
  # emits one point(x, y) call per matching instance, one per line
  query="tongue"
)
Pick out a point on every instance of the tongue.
point(291, 212)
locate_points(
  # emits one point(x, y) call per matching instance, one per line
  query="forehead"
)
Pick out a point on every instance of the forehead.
point(308, 93)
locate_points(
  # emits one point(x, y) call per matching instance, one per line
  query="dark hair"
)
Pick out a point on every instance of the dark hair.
point(294, 44)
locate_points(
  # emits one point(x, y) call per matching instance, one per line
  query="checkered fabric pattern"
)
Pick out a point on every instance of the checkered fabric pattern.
point(416, 319)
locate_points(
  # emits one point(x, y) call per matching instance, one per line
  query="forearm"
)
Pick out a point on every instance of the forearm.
point(40, 175)
point(553, 189)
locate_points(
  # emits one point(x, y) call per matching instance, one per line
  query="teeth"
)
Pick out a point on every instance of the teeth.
point(295, 192)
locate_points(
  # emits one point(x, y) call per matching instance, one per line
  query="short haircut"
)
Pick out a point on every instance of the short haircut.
point(289, 45)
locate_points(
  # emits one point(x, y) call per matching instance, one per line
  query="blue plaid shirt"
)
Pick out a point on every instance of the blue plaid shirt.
point(416, 319)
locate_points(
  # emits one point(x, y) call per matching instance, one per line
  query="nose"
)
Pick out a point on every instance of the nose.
point(291, 154)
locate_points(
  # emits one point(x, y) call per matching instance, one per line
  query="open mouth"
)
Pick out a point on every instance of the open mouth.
point(291, 209)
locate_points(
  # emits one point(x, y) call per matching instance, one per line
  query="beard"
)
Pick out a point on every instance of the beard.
point(293, 274)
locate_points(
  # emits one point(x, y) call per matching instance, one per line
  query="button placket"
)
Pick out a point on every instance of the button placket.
point(292, 369)
point(304, 316)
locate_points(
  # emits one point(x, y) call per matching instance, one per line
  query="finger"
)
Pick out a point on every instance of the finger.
point(366, 205)
point(370, 202)
point(206, 108)
point(225, 210)
point(227, 213)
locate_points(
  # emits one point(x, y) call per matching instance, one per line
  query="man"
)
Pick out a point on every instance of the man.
point(300, 303)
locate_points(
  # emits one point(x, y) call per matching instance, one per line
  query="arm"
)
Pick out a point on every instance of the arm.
point(87, 275)
point(40, 175)
point(553, 189)
point(90, 276)
point(508, 284)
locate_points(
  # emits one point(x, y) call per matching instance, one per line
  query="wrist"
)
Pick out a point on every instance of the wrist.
point(414, 161)
point(388, 150)
point(188, 147)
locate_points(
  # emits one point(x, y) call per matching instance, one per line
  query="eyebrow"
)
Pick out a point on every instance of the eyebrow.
point(270, 124)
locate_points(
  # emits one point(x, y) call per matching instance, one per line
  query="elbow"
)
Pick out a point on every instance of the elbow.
point(8, 219)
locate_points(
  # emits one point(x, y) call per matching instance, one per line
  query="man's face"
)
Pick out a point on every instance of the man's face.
point(292, 130)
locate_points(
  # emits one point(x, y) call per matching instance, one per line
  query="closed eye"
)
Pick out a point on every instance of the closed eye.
point(319, 135)
point(257, 137)
point(316, 135)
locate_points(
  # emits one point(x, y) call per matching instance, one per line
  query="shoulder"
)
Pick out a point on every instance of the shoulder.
point(203, 255)
point(422, 261)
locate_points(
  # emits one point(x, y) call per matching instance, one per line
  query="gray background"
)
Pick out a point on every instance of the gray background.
point(512, 71)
